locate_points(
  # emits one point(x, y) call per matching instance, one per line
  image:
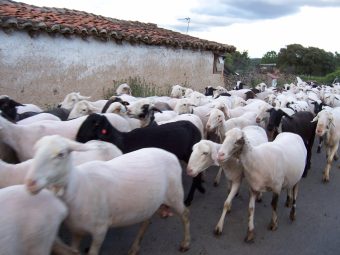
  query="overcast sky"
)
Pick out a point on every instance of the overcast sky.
point(256, 26)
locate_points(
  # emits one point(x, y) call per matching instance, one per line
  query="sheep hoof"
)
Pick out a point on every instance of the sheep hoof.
point(289, 203)
point(325, 179)
point(292, 216)
point(272, 226)
point(201, 189)
point(217, 231)
point(216, 183)
point(184, 248)
point(250, 237)
point(318, 150)
point(187, 202)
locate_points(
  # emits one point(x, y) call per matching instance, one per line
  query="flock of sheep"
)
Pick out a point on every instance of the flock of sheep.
point(113, 163)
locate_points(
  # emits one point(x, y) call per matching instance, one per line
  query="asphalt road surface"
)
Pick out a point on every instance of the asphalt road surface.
point(315, 231)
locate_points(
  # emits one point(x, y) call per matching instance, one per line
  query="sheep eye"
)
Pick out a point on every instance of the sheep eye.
point(73, 100)
point(60, 155)
point(205, 153)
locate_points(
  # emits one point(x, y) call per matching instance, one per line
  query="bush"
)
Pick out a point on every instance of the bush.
point(328, 79)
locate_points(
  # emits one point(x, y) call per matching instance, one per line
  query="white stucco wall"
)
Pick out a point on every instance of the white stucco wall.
point(42, 70)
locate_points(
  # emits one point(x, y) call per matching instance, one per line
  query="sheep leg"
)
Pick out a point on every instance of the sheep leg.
point(60, 248)
point(97, 239)
point(320, 144)
point(183, 212)
point(273, 223)
point(76, 239)
point(186, 225)
point(227, 206)
point(289, 200)
point(330, 154)
point(251, 210)
point(292, 215)
point(308, 160)
point(136, 244)
point(218, 177)
point(196, 184)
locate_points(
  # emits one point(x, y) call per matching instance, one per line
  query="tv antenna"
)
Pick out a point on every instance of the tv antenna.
point(188, 21)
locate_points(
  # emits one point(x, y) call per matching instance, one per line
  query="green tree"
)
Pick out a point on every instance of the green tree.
point(236, 62)
point(297, 59)
point(269, 58)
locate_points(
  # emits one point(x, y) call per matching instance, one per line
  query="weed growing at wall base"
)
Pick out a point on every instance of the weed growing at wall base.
point(139, 87)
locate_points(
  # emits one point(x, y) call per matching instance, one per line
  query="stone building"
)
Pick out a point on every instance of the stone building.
point(46, 53)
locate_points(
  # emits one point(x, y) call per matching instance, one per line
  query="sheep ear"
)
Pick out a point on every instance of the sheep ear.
point(155, 109)
point(240, 141)
point(75, 146)
point(315, 118)
point(93, 109)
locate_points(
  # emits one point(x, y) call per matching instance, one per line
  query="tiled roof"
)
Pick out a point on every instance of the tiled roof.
point(20, 16)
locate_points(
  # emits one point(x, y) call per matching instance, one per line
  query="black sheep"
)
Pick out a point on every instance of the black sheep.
point(299, 123)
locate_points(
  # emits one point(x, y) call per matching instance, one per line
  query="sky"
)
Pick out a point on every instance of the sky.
point(255, 26)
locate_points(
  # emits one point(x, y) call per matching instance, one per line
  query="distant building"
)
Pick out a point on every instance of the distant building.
point(46, 53)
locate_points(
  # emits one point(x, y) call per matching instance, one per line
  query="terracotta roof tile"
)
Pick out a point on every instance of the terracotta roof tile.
point(15, 15)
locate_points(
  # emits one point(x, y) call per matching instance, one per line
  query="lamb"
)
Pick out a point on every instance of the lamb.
point(288, 149)
point(38, 235)
point(176, 137)
point(121, 177)
point(204, 155)
point(14, 174)
point(328, 124)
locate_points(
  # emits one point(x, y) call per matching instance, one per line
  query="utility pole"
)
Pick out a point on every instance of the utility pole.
point(188, 21)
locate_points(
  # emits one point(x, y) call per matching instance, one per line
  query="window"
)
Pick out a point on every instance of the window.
point(218, 64)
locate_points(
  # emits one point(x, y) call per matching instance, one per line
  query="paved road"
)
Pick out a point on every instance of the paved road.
point(315, 231)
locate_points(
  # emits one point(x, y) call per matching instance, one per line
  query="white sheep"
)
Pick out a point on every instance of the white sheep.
point(217, 122)
point(71, 99)
point(14, 174)
point(29, 224)
point(22, 138)
point(28, 108)
point(177, 91)
point(204, 155)
point(39, 117)
point(328, 123)
point(194, 119)
point(269, 166)
point(83, 108)
point(123, 89)
point(121, 110)
point(126, 190)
